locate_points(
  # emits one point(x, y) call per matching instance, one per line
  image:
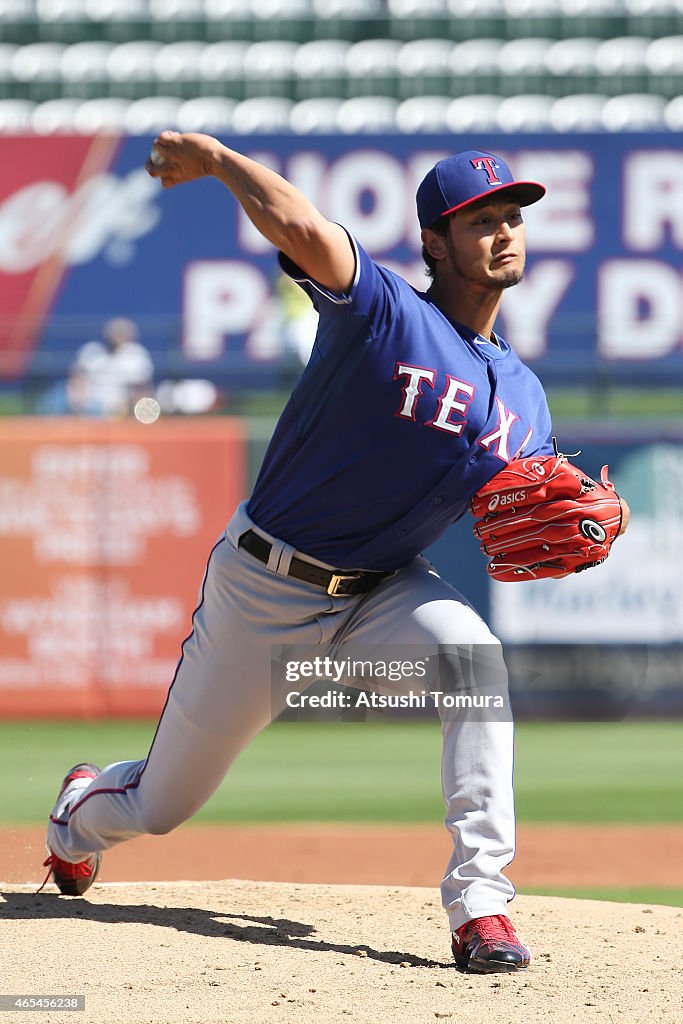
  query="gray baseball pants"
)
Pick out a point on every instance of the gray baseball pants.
point(223, 695)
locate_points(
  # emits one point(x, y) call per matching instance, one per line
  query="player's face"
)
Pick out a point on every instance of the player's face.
point(485, 244)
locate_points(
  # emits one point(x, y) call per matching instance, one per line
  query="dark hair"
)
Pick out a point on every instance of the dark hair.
point(439, 227)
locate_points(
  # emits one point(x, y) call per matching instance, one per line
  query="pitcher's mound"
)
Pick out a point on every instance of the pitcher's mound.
point(262, 952)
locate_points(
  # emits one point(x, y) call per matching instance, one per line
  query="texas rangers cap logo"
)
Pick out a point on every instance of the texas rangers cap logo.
point(488, 164)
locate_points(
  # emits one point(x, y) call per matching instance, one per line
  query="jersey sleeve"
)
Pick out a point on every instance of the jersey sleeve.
point(374, 292)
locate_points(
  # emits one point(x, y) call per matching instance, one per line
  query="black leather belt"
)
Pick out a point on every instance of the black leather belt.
point(337, 583)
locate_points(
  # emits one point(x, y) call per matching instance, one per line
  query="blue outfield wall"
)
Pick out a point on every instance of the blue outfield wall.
point(89, 235)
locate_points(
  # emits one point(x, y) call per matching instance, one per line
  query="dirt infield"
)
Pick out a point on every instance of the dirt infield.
point(547, 855)
point(257, 952)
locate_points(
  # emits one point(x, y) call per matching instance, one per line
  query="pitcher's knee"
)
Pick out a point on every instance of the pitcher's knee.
point(160, 821)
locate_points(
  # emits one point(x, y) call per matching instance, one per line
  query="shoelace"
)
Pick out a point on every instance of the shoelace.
point(82, 870)
point(491, 929)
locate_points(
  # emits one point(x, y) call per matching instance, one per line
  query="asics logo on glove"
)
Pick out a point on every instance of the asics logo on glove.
point(506, 499)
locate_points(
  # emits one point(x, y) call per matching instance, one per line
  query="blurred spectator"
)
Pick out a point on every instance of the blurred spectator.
point(110, 375)
point(299, 320)
point(70, 397)
point(287, 326)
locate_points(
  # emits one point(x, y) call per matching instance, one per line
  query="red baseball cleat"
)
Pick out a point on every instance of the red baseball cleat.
point(73, 879)
point(489, 944)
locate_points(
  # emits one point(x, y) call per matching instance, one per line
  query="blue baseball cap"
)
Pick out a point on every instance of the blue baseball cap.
point(464, 178)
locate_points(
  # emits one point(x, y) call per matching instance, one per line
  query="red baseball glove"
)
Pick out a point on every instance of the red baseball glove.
point(542, 517)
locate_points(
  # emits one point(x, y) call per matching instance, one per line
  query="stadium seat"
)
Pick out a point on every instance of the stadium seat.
point(471, 8)
point(673, 114)
point(367, 114)
point(213, 114)
point(529, 8)
point(529, 18)
point(15, 116)
point(14, 10)
point(424, 67)
point(573, 64)
point(283, 19)
point(602, 19)
point(176, 10)
point(119, 21)
point(372, 67)
point(38, 68)
point(525, 113)
point(413, 19)
point(350, 20)
point(423, 114)
point(474, 65)
point(221, 68)
point(417, 8)
point(320, 69)
point(7, 81)
point(176, 67)
point(581, 112)
point(38, 61)
point(315, 115)
point(229, 20)
point(276, 9)
point(103, 115)
point(103, 9)
point(521, 65)
point(227, 9)
point(665, 56)
point(474, 113)
point(642, 7)
point(654, 18)
point(176, 20)
point(55, 116)
point(664, 60)
point(476, 19)
point(346, 8)
point(622, 61)
point(130, 67)
point(152, 114)
point(634, 112)
point(262, 114)
point(59, 11)
point(18, 22)
point(591, 8)
point(269, 69)
point(84, 69)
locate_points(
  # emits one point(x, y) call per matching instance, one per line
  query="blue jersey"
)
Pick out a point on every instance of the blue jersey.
point(399, 418)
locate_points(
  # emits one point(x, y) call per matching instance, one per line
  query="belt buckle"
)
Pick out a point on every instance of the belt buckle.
point(336, 580)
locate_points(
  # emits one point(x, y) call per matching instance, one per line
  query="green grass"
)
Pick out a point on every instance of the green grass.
point(601, 401)
point(388, 772)
point(631, 894)
point(600, 772)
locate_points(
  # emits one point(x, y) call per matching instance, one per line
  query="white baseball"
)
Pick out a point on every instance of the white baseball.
point(156, 157)
point(147, 410)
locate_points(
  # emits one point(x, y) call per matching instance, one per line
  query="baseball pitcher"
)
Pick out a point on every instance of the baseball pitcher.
point(411, 413)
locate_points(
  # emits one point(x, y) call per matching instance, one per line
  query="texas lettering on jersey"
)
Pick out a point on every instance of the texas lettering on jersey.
point(453, 404)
